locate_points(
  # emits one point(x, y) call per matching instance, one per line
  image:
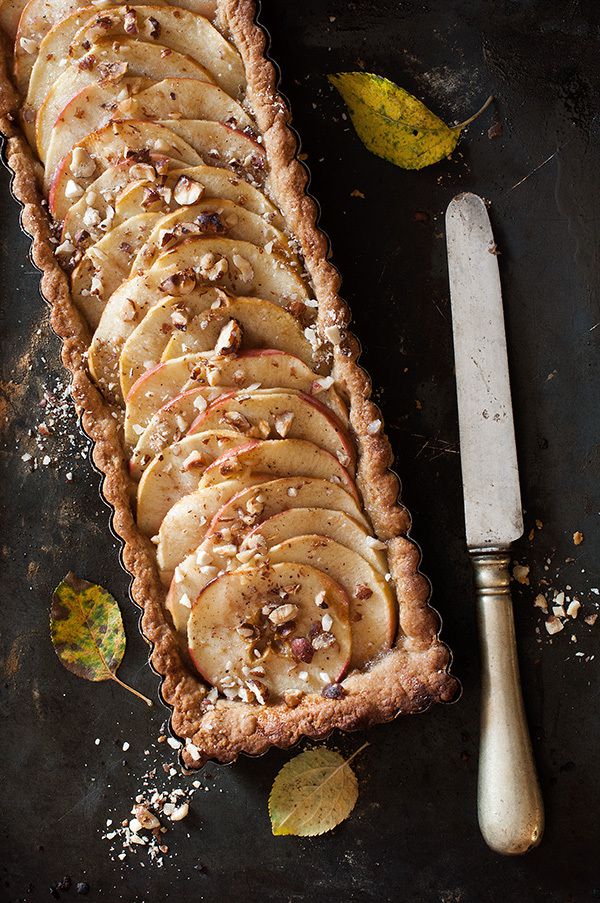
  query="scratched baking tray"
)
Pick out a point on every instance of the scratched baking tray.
point(413, 835)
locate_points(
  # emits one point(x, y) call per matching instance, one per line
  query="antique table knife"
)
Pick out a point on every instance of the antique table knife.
point(510, 807)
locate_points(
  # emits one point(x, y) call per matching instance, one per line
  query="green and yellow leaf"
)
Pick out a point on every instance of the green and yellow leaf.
point(87, 630)
point(313, 793)
point(393, 124)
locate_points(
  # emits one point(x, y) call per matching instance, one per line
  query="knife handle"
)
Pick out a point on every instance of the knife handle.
point(510, 807)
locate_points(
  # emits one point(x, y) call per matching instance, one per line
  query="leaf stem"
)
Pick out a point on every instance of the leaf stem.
point(356, 752)
point(463, 125)
point(131, 690)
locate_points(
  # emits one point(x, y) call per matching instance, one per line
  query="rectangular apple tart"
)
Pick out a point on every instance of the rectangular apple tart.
point(214, 371)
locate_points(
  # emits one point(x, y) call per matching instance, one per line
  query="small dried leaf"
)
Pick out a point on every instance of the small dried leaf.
point(313, 793)
point(87, 630)
point(393, 124)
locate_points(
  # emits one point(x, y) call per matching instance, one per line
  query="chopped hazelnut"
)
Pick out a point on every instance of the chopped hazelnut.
point(283, 613)
point(244, 267)
point(82, 166)
point(302, 649)
point(187, 191)
point(283, 423)
point(179, 283)
point(333, 691)
point(230, 338)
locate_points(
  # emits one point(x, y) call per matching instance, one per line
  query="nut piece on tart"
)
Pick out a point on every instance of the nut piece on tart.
point(207, 344)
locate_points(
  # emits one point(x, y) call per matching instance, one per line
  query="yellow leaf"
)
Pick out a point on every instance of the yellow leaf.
point(393, 124)
point(313, 793)
point(87, 631)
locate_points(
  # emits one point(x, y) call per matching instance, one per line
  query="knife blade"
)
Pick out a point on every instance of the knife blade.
point(509, 802)
point(492, 497)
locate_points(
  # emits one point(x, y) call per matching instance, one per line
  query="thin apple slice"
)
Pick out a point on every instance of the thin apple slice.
point(214, 182)
point(106, 264)
point(237, 266)
point(184, 98)
point(91, 108)
point(210, 216)
point(243, 626)
point(39, 16)
point(94, 212)
point(176, 472)
point(168, 425)
point(143, 349)
point(177, 29)
point(253, 505)
point(263, 325)
point(278, 458)
point(171, 422)
point(222, 145)
point(277, 415)
point(185, 524)
point(112, 144)
point(292, 373)
point(373, 606)
point(105, 58)
point(317, 520)
point(158, 385)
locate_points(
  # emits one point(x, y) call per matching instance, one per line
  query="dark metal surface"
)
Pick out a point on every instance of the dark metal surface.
point(413, 835)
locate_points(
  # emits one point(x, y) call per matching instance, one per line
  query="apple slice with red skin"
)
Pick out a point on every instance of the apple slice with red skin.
point(234, 545)
point(277, 415)
point(159, 384)
point(223, 652)
point(144, 347)
point(88, 110)
point(185, 524)
point(215, 142)
point(278, 458)
point(264, 326)
point(169, 424)
point(176, 29)
point(321, 521)
point(185, 98)
point(175, 472)
point(129, 195)
point(102, 194)
point(374, 617)
point(141, 60)
point(268, 499)
point(111, 145)
point(220, 144)
point(248, 270)
point(199, 318)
